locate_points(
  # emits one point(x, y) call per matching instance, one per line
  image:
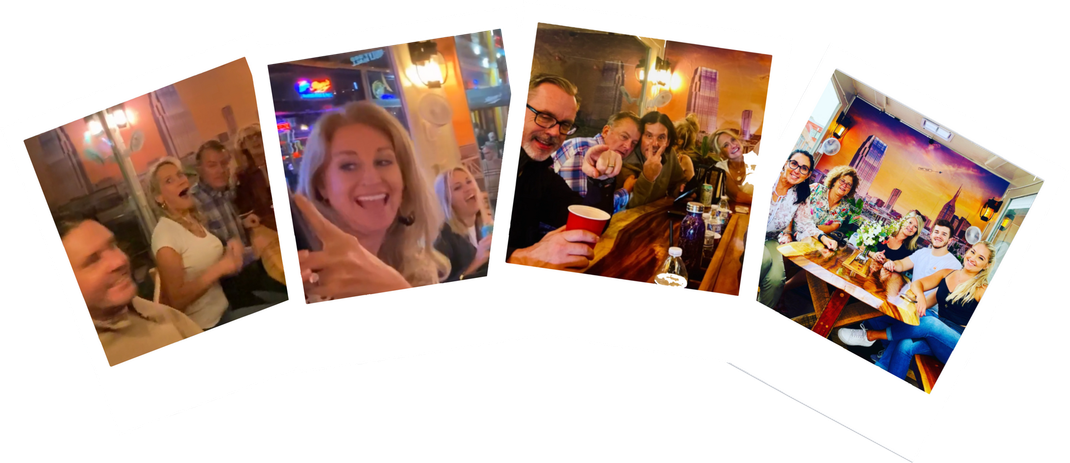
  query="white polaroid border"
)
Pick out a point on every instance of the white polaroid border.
point(189, 373)
point(400, 324)
point(620, 313)
point(830, 380)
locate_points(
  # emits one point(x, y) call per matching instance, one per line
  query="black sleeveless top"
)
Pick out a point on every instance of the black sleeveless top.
point(960, 312)
point(895, 254)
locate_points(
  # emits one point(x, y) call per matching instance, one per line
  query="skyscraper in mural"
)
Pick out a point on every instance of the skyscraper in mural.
point(948, 211)
point(744, 124)
point(608, 99)
point(702, 98)
point(961, 227)
point(867, 161)
point(892, 198)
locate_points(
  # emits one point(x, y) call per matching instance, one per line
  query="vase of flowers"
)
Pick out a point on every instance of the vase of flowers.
point(865, 239)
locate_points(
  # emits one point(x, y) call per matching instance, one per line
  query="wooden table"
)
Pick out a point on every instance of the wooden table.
point(636, 242)
point(823, 267)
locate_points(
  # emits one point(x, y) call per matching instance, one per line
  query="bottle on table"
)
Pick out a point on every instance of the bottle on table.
point(672, 272)
point(693, 236)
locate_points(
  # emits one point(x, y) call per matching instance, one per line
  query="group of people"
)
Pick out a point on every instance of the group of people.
point(215, 246)
point(380, 223)
point(943, 290)
point(633, 161)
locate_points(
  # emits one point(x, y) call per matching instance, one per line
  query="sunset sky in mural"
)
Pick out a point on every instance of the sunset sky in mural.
point(908, 153)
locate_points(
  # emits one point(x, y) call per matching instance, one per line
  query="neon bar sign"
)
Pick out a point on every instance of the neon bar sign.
point(315, 88)
point(284, 126)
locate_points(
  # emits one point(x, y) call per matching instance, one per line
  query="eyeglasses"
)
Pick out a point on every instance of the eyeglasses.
point(547, 121)
point(845, 181)
point(792, 165)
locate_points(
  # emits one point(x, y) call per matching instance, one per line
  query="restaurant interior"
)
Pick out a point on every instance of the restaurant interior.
point(419, 83)
point(979, 190)
point(89, 170)
point(720, 88)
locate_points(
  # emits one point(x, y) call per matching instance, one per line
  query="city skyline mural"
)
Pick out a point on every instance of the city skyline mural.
point(890, 156)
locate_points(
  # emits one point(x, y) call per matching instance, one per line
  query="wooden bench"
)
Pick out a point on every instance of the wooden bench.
point(852, 314)
point(928, 370)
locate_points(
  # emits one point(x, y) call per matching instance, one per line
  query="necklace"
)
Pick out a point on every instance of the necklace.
point(777, 196)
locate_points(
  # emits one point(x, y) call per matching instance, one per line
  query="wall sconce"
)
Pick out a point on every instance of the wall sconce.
point(1007, 219)
point(990, 207)
point(842, 127)
point(119, 116)
point(661, 75)
point(430, 64)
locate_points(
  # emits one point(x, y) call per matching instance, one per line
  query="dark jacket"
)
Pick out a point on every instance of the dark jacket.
point(542, 198)
point(460, 252)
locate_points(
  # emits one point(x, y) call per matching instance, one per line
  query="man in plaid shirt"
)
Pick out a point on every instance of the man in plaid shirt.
point(213, 194)
point(621, 133)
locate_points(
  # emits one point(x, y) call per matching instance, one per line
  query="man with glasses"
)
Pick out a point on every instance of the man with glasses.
point(540, 206)
point(620, 134)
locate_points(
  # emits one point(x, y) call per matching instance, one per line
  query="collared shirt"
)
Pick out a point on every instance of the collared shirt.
point(142, 327)
point(568, 161)
point(219, 212)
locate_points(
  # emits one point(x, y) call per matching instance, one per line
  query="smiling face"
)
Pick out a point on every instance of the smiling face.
point(464, 195)
point(940, 236)
point(729, 146)
point(655, 139)
point(362, 179)
point(909, 228)
point(101, 268)
point(795, 175)
point(843, 185)
point(622, 137)
point(214, 169)
point(977, 258)
point(539, 142)
point(174, 188)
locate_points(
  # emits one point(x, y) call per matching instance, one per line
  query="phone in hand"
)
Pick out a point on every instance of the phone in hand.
point(303, 234)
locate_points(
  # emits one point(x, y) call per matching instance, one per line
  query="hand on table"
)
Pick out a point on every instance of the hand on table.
point(560, 249)
point(890, 266)
point(601, 163)
point(343, 268)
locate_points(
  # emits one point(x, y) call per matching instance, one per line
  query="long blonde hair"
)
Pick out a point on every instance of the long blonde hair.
point(912, 243)
point(716, 147)
point(409, 249)
point(445, 198)
point(966, 290)
point(155, 190)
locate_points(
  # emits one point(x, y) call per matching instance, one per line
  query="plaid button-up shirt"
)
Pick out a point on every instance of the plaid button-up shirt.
point(568, 161)
point(217, 207)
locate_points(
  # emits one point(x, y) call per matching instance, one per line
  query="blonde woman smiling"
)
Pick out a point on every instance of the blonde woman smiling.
point(370, 205)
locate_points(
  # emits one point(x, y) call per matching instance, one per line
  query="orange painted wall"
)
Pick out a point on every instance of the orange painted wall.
point(454, 88)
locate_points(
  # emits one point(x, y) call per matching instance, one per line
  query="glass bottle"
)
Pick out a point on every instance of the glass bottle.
point(693, 235)
point(672, 272)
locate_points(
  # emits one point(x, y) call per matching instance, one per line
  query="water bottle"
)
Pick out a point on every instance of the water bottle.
point(672, 272)
point(710, 244)
point(693, 235)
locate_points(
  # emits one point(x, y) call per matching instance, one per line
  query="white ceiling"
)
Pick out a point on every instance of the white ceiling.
point(850, 88)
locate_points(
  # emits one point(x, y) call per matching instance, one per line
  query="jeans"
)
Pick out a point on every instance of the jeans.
point(771, 282)
point(933, 336)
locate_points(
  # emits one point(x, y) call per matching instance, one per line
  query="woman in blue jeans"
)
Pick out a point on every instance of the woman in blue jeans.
point(934, 335)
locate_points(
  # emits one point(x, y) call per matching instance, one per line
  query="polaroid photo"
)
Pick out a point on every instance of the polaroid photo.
point(391, 139)
point(154, 210)
point(902, 193)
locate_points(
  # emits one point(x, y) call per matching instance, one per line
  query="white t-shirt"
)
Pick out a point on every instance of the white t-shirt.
point(197, 255)
point(926, 264)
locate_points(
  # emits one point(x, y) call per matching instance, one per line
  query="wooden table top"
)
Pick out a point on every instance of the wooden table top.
point(828, 266)
point(636, 242)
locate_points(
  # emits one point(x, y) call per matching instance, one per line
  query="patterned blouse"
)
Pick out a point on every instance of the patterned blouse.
point(816, 212)
point(781, 212)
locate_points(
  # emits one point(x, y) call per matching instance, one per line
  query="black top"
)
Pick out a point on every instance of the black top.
point(959, 313)
point(542, 198)
point(895, 254)
point(460, 252)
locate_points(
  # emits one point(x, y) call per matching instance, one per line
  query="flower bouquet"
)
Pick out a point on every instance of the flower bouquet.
point(865, 240)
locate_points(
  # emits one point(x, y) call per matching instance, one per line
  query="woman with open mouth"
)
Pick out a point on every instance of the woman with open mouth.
point(369, 205)
point(464, 238)
point(190, 260)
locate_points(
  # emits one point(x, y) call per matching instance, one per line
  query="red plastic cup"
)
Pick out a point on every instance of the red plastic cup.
point(587, 218)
